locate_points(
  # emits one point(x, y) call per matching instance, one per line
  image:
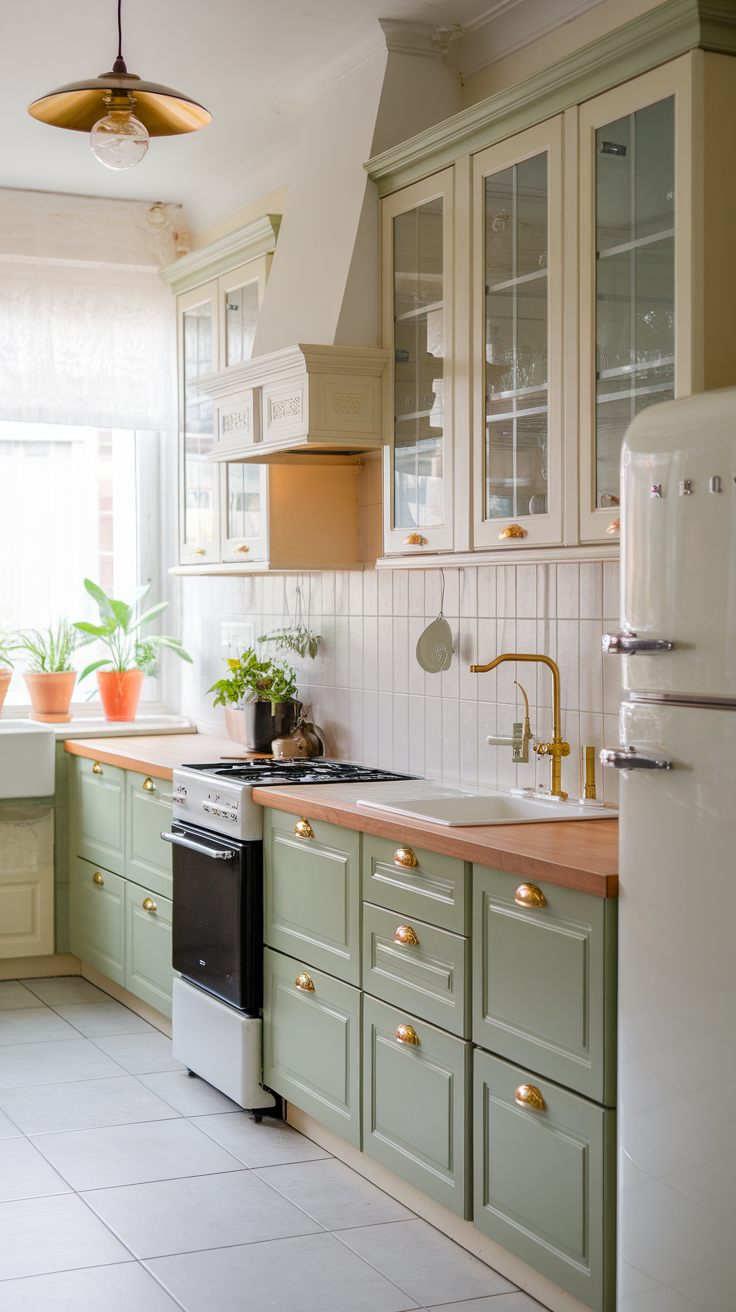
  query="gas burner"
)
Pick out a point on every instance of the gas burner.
point(316, 770)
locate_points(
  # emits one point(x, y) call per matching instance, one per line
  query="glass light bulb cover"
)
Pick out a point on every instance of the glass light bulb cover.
point(119, 140)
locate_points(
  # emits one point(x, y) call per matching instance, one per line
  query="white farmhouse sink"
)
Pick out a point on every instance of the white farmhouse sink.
point(27, 753)
point(422, 800)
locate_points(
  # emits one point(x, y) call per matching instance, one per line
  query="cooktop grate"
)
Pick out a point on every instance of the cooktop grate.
point(313, 771)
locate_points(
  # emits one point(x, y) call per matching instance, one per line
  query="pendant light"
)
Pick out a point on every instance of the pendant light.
point(120, 112)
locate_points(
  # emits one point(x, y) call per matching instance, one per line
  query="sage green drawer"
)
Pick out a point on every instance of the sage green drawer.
point(97, 918)
point(311, 1043)
point(437, 890)
point(148, 808)
point(544, 981)
point(148, 969)
point(312, 893)
point(430, 978)
point(545, 1180)
point(98, 813)
point(416, 1108)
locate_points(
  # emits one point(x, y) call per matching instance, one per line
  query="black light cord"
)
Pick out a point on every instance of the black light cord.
point(120, 31)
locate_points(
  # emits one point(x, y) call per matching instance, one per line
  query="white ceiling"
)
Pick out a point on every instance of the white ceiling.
point(243, 59)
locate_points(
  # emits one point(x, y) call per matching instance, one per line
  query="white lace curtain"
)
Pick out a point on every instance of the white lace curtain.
point(87, 328)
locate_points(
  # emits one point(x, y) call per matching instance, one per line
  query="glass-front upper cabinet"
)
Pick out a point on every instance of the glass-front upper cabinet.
point(518, 317)
point(417, 327)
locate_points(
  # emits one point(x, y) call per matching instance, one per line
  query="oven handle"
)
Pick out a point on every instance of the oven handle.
point(224, 854)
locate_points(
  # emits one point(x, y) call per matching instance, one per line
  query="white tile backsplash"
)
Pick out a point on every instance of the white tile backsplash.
point(372, 699)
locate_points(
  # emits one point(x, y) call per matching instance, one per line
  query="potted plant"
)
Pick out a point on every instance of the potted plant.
point(7, 644)
point(131, 659)
point(50, 677)
point(258, 697)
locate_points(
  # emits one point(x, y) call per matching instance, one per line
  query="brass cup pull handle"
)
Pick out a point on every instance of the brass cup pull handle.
point(528, 1096)
point(405, 934)
point(414, 540)
point(148, 785)
point(304, 981)
point(302, 828)
point(405, 856)
point(149, 905)
point(198, 551)
point(97, 878)
point(243, 549)
point(528, 895)
point(405, 1034)
point(97, 768)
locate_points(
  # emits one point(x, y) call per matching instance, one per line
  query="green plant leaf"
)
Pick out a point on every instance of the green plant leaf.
point(149, 615)
point(173, 644)
point(96, 630)
point(140, 592)
point(122, 612)
point(96, 665)
point(102, 599)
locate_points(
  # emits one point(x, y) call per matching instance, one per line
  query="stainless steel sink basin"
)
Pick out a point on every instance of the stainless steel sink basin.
point(422, 800)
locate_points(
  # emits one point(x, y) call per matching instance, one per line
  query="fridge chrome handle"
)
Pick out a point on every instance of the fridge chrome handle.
point(628, 644)
point(221, 854)
point(619, 758)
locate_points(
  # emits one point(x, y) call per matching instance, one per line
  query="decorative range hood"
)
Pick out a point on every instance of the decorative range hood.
point(302, 401)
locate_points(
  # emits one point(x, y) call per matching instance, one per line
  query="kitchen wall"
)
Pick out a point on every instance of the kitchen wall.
point(373, 700)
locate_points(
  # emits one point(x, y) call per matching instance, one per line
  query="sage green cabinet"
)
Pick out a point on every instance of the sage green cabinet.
point(97, 917)
point(416, 1109)
point(430, 977)
point(436, 890)
point(312, 893)
point(148, 969)
point(148, 807)
point(311, 1042)
point(544, 981)
point(545, 1184)
point(98, 813)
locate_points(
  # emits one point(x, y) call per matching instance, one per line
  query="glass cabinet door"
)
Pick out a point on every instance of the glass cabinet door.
point(417, 327)
point(198, 355)
point(517, 295)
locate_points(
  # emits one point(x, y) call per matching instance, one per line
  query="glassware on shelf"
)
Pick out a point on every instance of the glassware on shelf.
point(199, 474)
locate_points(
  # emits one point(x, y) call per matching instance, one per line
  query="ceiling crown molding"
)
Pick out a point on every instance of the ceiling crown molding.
point(246, 243)
point(409, 38)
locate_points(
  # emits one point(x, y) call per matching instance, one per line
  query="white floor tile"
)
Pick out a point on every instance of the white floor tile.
point(54, 1063)
point(127, 1288)
point(311, 1274)
point(13, 996)
point(269, 1144)
point(33, 1025)
point(103, 1018)
point(514, 1302)
point(425, 1263)
point(140, 1054)
point(204, 1211)
point(7, 1129)
point(133, 1154)
point(191, 1097)
point(334, 1195)
point(65, 990)
point(24, 1173)
point(83, 1105)
point(53, 1234)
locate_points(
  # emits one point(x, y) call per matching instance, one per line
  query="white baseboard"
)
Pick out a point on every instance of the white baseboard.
point(463, 1232)
point(58, 963)
point(120, 994)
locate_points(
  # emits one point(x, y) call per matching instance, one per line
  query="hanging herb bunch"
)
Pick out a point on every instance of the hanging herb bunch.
point(297, 635)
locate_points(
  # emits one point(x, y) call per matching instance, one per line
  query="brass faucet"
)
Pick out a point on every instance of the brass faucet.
point(557, 748)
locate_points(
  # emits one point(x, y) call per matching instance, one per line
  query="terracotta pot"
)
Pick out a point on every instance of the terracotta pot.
point(51, 695)
point(5, 677)
point(255, 726)
point(120, 692)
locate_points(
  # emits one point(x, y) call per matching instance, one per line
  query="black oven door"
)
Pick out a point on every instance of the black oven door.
point(218, 914)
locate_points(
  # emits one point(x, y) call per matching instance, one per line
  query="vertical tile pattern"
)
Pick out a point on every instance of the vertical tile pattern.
point(376, 705)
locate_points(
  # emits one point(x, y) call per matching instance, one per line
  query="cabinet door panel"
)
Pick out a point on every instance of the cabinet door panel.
point(437, 890)
point(148, 969)
point(431, 977)
point(544, 989)
point(416, 1117)
point(148, 812)
point(98, 813)
point(312, 896)
point(97, 918)
point(545, 1183)
point(311, 1043)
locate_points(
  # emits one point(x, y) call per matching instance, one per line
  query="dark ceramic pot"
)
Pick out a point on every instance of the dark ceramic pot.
point(261, 726)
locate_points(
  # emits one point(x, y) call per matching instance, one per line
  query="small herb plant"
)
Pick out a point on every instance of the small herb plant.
point(8, 643)
point(49, 651)
point(251, 680)
point(298, 639)
point(119, 630)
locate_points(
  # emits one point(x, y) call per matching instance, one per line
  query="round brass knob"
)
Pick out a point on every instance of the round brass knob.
point(527, 1096)
point(149, 904)
point(528, 895)
point(512, 531)
point(244, 549)
point(148, 785)
point(304, 981)
point(405, 934)
point(405, 1034)
point(97, 768)
point(405, 856)
point(97, 878)
point(303, 829)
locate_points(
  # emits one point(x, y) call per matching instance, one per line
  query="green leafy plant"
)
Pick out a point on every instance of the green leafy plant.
point(298, 639)
point(119, 630)
point(251, 680)
point(8, 643)
point(49, 651)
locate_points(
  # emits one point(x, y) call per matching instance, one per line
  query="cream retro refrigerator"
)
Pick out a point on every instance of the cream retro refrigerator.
point(677, 955)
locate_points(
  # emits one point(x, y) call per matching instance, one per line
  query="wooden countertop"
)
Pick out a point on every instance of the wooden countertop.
point(581, 854)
